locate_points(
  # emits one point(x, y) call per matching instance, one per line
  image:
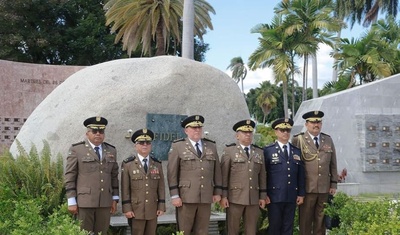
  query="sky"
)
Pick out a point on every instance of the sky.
point(231, 38)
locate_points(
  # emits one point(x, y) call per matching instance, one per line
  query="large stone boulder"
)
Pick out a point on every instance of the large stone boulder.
point(125, 91)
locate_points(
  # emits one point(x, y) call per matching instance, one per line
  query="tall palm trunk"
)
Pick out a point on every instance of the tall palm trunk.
point(285, 98)
point(188, 30)
point(314, 76)
point(160, 39)
point(305, 76)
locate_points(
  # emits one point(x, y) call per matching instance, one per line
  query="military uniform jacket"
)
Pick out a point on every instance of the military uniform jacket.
point(142, 193)
point(243, 178)
point(285, 178)
point(91, 181)
point(320, 164)
point(194, 179)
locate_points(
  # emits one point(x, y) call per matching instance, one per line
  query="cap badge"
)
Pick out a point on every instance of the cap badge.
point(197, 118)
point(144, 130)
point(98, 119)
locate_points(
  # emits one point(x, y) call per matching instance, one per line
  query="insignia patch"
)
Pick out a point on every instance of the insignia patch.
point(296, 157)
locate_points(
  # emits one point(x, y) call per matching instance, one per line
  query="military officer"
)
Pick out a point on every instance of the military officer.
point(319, 155)
point(142, 186)
point(91, 178)
point(285, 179)
point(243, 180)
point(194, 177)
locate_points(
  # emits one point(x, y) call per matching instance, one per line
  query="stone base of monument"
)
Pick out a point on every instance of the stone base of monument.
point(351, 189)
point(121, 221)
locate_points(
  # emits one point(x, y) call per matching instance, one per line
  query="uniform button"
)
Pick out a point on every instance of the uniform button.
point(201, 186)
point(319, 174)
point(319, 166)
point(250, 178)
point(288, 169)
point(101, 163)
point(147, 200)
point(201, 160)
point(102, 181)
point(288, 175)
point(202, 169)
point(147, 185)
point(251, 187)
point(101, 172)
point(288, 182)
point(319, 159)
point(147, 192)
point(147, 177)
point(287, 162)
point(102, 189)
point(250, 170)
point(202, 177)
point(248, 161)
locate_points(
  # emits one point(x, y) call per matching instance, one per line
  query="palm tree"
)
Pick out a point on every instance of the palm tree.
point(314, 21)
point(276, 50)
point(239, 70)
point(188, 28)
point(144, 22)
point(266, 99)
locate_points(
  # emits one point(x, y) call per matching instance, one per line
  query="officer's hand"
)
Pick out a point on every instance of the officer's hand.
point(160, 213)
point(261, 203)
point(129, 214)
point(267, 201)
point(332, 191)
point(216, 198)
point(299, 200)
point(73, 209)
point(224, 203)
point(177, 202)
point(113, 207)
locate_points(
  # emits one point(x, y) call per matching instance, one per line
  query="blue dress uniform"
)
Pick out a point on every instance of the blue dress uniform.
point(285, 183)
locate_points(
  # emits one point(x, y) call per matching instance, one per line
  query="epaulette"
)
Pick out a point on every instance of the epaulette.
point(256, 146)
point(155, 159)
point(129, 159)
point(325, 134)
point(82, 142)
point(301, 133)
point(178, 140)
point(109, 144)
point(230, 145)
point(294, 146)
point(209, 140)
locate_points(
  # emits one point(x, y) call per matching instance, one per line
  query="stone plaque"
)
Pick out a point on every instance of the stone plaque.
point(166, 128)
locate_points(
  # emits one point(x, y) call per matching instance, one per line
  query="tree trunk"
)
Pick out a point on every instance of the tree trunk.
point(160, 39)
point(285, 98)
point(314, 76)
point(188, 30)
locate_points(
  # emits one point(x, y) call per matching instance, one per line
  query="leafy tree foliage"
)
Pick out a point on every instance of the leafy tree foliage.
point(56, 32)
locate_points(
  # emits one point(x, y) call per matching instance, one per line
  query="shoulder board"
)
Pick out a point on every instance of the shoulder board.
point(271, 145)
point(209, 140)
point(109, 144)
point(325, 134)
point(129, 159)
point(82, 142)
point(255, 146)
point(230, 145)
point(178, 140)
point(155, 159)
point(294, 147)
point(301, 133)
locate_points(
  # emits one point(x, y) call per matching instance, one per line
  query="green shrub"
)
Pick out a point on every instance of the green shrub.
point(379, 217)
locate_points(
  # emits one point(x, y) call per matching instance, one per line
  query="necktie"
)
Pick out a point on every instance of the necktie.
point(145, 164)
point(198, 150)
point(246, 150)
point(285, 152)
point(316, 142)
point(96, 149)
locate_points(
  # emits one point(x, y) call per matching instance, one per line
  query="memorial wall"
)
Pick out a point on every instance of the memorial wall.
point(23, 87)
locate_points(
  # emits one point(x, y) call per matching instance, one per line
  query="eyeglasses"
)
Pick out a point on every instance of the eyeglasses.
point(144, 142)
point(285, 130)
point(95, 131)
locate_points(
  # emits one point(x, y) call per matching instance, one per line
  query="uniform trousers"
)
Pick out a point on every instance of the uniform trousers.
point(194, 217)
point(311, 214)
point(281, 218)
point(249, 213)
point(143, 227)
point(95, 220)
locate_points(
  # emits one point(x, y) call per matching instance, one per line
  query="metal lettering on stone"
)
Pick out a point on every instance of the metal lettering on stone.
point(379, 142)
point(166, 128)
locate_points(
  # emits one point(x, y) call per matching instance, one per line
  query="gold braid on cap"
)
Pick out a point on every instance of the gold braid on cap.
point(143, 138)
point(305, 150)
point(283, 125)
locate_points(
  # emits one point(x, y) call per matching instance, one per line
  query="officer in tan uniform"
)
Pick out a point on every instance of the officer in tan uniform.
point(319, 156)
point(194, 177)
point(243, 180)
point(91, 178)
point(142, 186)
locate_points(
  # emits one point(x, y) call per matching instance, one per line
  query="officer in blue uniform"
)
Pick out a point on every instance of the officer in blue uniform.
point(285, 179)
